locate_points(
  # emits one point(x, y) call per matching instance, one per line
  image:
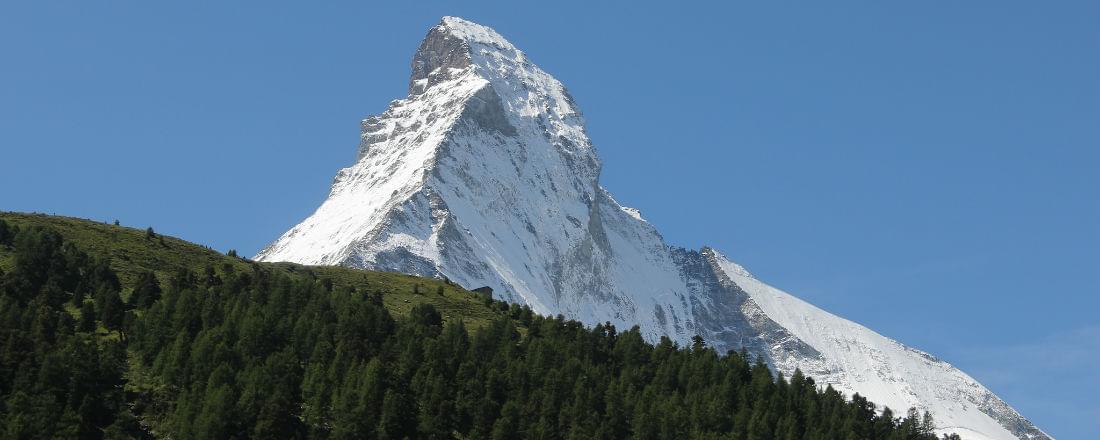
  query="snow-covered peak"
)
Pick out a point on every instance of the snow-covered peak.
point(475, 33)
point(484, 174)
point(455, 44)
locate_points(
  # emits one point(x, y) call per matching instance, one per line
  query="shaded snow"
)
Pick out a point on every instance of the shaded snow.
point(862, 361)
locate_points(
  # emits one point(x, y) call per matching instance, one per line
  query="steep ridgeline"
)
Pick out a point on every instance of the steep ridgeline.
point(485, 175)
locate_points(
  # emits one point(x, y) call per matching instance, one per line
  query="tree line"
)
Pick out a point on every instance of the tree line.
point(254, 354)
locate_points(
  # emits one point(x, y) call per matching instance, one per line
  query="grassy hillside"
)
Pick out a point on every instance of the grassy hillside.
point(131, 252)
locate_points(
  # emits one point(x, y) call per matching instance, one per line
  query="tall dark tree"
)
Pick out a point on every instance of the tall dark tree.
point(146, 290)
point(6, 234)
point(87, 317)
point(111, 309)
point(697, 343)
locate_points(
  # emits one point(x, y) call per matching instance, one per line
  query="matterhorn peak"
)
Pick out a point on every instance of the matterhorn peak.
point(484, 175)
point(474, 33)
point(448, 48)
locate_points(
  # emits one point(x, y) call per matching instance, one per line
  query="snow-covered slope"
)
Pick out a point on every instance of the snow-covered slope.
point(484, 174)
point(857, 360)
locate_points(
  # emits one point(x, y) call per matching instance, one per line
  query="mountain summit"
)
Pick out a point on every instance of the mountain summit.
point(485, 175)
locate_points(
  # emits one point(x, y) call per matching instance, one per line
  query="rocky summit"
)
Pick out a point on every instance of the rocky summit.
point(484, 175)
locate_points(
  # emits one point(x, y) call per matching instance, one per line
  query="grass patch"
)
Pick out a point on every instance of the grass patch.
point(131, 251)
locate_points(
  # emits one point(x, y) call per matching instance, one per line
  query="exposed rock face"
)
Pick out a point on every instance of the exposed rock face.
point(484, 174)
point(439, 54)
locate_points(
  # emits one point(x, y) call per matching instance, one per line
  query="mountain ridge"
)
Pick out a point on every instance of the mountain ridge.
point(485, 175)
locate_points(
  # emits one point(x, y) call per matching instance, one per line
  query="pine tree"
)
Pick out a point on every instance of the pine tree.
point(436, 417)
point(146, 290)
point(111, 310)
point(927, 424)
point(216, 420)
point(397, 420)
point(87, 317)
point(507, 426)
point(355, 404)
point(6, 234)
point(759, 427)
point(426, 317)
point(697, 343)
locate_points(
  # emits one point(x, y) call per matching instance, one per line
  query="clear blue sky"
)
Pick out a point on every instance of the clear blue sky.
point(928, 169)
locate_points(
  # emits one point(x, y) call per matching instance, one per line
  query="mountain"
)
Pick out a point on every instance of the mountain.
point(484, 175)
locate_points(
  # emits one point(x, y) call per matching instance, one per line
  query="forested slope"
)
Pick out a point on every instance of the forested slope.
point(113, 332)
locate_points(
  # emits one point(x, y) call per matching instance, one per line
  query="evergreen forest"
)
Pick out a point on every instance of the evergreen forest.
point(109, 332)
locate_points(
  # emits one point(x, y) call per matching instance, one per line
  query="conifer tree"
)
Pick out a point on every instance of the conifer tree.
point(110, 308)
point(507, 426)
point(398, 417)
point(146, 290)
point(87, 317)
point(697, 343)
point(5, 234)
